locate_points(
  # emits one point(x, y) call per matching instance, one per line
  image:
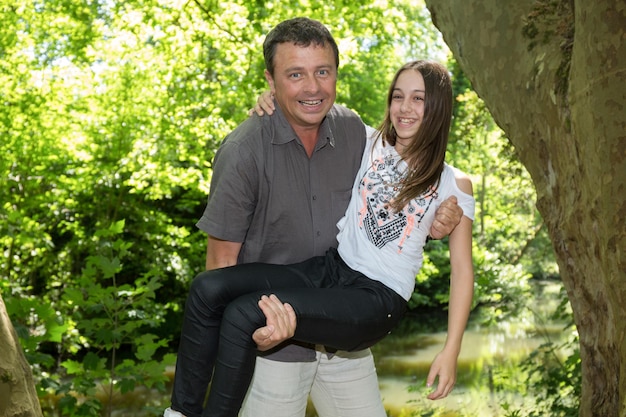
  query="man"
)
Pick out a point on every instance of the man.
point(279, 186)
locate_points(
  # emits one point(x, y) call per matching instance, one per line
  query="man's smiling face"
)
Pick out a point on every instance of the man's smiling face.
point(304, 83)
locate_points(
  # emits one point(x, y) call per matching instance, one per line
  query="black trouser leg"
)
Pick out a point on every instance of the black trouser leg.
point(236, 358)
point(334, 305)
point(341, 318)
point(209, 295)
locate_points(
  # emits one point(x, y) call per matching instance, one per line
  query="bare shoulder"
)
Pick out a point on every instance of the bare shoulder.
point(463, 181)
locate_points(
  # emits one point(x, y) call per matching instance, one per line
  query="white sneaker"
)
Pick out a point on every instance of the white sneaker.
point(171, 413)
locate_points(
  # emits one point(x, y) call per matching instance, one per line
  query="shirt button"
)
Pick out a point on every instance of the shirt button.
point(314, 197)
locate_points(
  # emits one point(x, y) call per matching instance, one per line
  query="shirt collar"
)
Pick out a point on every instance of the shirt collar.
point(285, 133)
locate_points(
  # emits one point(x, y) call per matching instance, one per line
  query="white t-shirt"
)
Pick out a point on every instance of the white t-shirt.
point(384, 245)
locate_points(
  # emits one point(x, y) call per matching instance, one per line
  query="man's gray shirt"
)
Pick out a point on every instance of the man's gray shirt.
point(282, 205)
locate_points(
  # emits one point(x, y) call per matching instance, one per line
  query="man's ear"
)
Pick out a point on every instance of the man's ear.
point(270, 81)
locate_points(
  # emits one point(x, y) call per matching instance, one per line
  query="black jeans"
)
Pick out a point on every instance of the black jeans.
point(335, 306)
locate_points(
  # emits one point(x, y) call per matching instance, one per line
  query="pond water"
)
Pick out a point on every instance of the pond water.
point(403, 363)
point(402, 375)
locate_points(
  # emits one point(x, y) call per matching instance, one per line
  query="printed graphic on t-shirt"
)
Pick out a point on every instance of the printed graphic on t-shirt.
point(377, 189)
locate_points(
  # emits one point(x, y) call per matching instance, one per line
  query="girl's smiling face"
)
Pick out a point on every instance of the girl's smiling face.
point(406, 109)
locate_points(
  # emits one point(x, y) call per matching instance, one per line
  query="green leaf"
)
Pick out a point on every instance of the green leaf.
point(56, 331)
point(126, 385)
point(93, 362)
point(72, 367)
point(146, 347)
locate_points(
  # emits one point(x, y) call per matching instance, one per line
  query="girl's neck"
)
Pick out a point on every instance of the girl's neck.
point(400, 148)
point(401, 145)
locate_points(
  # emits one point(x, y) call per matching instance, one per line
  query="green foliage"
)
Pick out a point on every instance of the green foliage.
point(109, 331)
point(552, 373)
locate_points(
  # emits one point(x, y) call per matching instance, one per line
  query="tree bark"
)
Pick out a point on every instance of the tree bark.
point(18, 396)
point(553, 74)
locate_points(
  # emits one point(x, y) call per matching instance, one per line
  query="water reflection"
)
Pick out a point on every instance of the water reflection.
point(402, 374)
point(488, 356)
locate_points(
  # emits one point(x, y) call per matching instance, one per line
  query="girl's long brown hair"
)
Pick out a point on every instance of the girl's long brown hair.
point(427, 150)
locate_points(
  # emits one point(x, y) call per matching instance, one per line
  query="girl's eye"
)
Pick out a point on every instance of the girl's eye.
point(396, 97)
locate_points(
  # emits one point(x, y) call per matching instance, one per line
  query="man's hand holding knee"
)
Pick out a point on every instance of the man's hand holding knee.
point(280, 325)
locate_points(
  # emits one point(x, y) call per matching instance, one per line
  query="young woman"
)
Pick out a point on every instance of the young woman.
point(352, 297)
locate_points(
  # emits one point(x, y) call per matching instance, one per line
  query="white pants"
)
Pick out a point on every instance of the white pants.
point(344, 385)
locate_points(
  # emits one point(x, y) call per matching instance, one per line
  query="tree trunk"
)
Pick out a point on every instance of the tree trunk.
point(18, 396)
point(553, 74)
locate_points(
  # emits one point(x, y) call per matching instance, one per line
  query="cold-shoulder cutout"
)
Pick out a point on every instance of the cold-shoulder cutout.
point(463, 181)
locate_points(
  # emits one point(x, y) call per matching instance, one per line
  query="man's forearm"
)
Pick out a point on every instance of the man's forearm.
point(221, 253)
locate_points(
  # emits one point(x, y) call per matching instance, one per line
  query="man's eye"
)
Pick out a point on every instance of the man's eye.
point(295, 75)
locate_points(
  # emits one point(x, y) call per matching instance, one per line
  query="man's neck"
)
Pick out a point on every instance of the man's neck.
point(308, 137)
